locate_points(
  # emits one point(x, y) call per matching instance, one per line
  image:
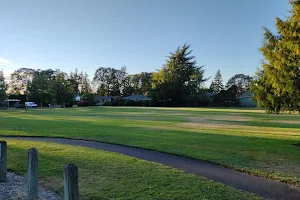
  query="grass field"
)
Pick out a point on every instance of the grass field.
point(245, 140)
point(104, 175)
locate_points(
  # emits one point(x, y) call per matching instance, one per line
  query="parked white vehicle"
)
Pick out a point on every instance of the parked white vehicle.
point(30, 104)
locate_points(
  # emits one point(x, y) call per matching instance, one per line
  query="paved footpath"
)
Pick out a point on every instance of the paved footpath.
point(263, 187)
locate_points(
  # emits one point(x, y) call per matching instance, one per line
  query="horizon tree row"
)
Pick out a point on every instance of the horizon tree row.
point(180, 82)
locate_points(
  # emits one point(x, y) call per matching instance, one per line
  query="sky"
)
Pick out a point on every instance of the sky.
point(140, 34)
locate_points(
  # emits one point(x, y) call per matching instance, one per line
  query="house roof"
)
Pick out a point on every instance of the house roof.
point(246, 94)
point(138, 97)
point(103, 97)
point(209, 94)
point(12, 100)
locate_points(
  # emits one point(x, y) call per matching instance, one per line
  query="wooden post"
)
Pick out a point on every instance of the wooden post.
point(33, 174)
point(71, 191)
point(3, 161)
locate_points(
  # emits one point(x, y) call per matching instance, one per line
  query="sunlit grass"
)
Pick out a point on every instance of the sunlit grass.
point(104, 175)
point(246, 140)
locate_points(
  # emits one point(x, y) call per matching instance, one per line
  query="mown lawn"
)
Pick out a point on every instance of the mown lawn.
point(245, 140)
point(104, 175)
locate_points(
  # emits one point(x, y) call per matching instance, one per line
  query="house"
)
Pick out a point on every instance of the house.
point(138, 97)
point(77, 98)
point(209, 95)
point(246, 99)
point(12, 103)
point(102, 99)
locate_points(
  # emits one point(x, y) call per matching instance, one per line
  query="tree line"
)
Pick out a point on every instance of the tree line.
point(180, 82)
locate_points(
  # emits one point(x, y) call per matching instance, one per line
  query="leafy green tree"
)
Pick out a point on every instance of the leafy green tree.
point(141, 83)
point(3, 87)
point(19, 80)
point(62, 90)
point(109, 80)
point(75, 79)
point(241, 81)
point(217, 84)
point(196, 85)
point(264, 93)
point(85, 85)
point(280, 80)
point(127, 87)
point(227, 97)
point(175, 82)
point(39, 90)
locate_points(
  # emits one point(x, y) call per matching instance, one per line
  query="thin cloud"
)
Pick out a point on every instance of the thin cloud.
point(4, 61)
point(11, 65)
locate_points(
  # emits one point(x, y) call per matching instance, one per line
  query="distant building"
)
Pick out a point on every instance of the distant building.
point(138, 97)
point(12, 103)
point(77, 98)
point(246, 99)
point(102, 99)
point(209, 95)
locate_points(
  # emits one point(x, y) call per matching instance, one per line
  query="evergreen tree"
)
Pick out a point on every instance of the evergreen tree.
point(85, 85)
point(3, 87)
point(175, 82)
point(281, 67)
point(217, 84)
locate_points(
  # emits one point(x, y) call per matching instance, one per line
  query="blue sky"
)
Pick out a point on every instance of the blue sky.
point(69, 34)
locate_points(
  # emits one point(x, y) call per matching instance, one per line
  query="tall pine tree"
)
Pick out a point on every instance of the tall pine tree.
point(281, 66)
point(179, 79)
point(217, 84)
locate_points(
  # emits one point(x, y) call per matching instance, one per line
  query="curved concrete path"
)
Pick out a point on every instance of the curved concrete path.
point(263, 187)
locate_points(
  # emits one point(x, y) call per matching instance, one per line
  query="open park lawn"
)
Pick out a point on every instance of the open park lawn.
point(105, 175)
point(245, 140)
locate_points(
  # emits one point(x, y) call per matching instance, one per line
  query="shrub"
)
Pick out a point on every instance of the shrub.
point(69, 105)
point(2, 105)
point(116, 103)
point(146, 103)
point(129, 103)
point(107, 103)
point(21, 105)
point(82, 104)
point(91, 99)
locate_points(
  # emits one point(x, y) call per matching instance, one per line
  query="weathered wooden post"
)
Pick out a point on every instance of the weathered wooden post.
point(33, 169)
point(71, 191)
point(3, 161)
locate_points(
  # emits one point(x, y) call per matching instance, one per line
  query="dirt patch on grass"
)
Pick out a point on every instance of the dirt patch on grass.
point(285, 121)
point(213, 119)
point(210, 125)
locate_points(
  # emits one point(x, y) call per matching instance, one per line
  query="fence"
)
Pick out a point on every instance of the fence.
point(71, 191)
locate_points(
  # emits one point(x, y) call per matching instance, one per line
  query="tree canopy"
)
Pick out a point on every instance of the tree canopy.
point(277, 84)
point(217, 84)
point(179, 79)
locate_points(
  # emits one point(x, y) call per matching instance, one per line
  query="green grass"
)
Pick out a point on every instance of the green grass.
point(245, 140)
point(105, 175)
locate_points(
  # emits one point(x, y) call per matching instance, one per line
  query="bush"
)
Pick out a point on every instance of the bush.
point(3, 105)
point(107, 103)
point(21, 105)
point(129, 103)
point(69, 105)
point(82, 104)
point(117, 103)
point(91, 99)
point(146, 103)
